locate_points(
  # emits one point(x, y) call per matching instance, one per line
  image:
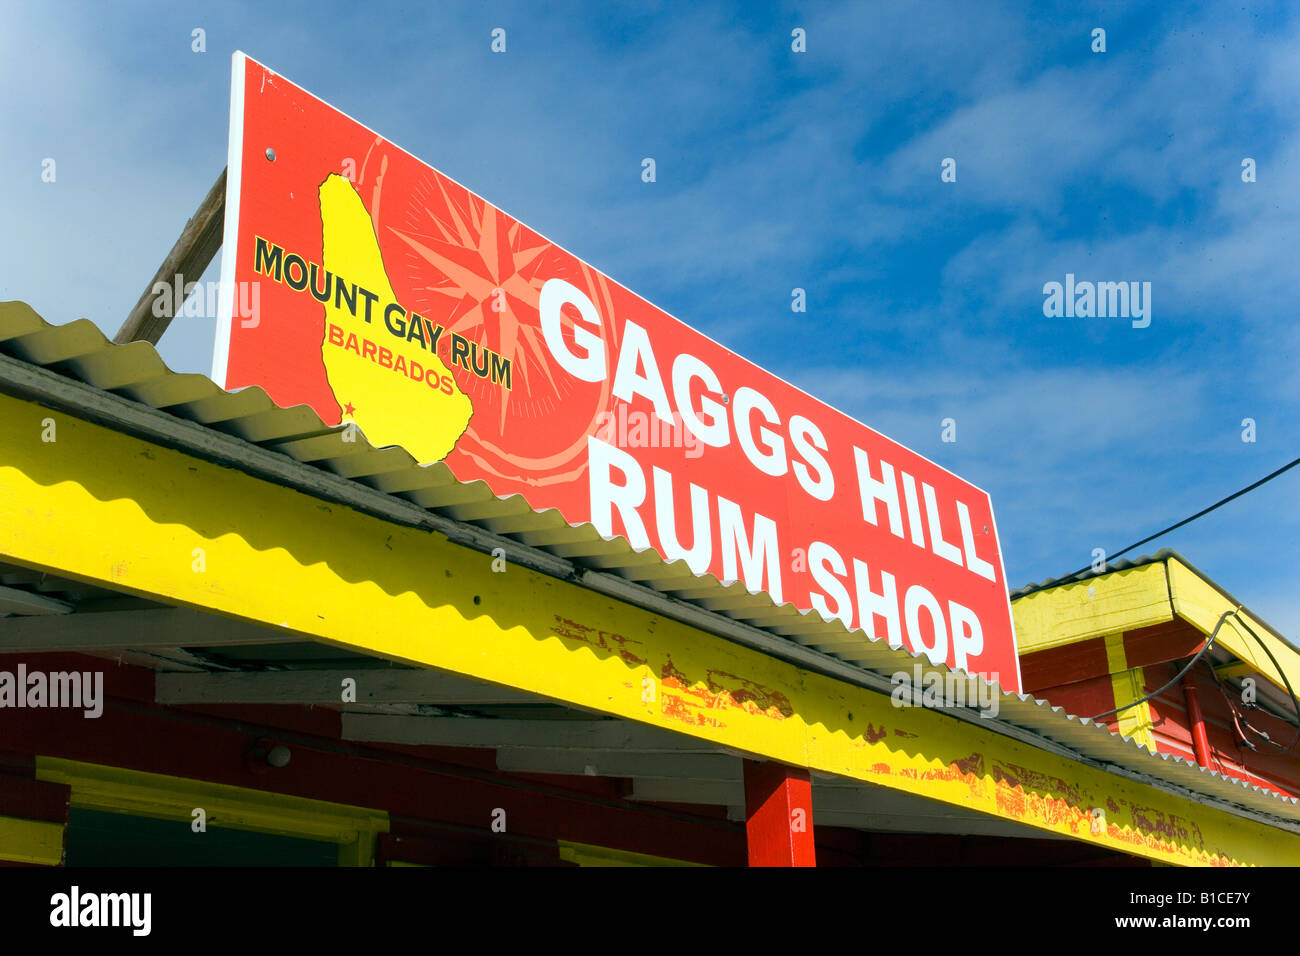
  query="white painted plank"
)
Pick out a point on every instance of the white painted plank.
point(135, 630)
point(14, 601)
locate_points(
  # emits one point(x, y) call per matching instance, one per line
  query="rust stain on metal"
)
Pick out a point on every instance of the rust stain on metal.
point(669, 672)
point(905, 733)
point(1011, 803)
point(1171, 827)
point(969, 770)
point(1016, 803)
point(873, 734)
point(678, 707)
point(1150, 841)
point(608, 641)
point(1024, 794)
point(972, 764)
point(1010, 775)
point(699, 701)
point(750, 695)
point(682, 700)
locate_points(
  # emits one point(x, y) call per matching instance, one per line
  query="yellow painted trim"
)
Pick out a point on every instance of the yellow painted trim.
point(104, 507)
point(163, 797)
point(1138, 597)
point(31, 841)
point(1234, 669)
point(1128, 685)
point(1109, 604)
point(1201, 604)
point(585, 854)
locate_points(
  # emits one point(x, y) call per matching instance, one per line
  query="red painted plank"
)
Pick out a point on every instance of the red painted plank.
point(28, 799)
point(207, 747)
point(1063, 665)
point(1171, 641)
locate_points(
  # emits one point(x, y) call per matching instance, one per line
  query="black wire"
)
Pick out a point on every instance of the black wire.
point(1294, 702)
point(1199, 514)
point(1238, 720)
point(1190, 664)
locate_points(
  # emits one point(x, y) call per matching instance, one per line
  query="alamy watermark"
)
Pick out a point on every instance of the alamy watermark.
point(74, 908)
point(1102, 300)
point(638, 429)
point(178, 299)
point(938, 691)
point(82, 690)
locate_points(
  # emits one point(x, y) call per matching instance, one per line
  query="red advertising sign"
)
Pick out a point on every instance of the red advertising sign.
point(360, 281)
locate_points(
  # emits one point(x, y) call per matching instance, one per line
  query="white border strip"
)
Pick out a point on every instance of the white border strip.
point(230, 234)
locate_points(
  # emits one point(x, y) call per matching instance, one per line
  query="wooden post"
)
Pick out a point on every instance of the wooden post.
point(778, 815)
point(190, 256)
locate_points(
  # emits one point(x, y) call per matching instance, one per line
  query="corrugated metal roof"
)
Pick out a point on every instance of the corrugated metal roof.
point(303, 452)
point(1123, 564)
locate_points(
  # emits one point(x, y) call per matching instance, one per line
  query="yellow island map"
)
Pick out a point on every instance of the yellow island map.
point(381, 361)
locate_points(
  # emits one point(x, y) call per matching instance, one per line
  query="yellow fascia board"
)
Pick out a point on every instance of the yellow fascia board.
point(163, 797)
point(1133, 598)
point(31, 841)
point(1201, 604)
point(102, 506)
point(1109, 604)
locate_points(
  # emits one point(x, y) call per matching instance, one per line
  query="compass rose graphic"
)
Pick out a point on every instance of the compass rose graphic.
point(469, 267)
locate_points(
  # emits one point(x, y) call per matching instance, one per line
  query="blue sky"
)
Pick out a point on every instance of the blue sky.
point(778, 170)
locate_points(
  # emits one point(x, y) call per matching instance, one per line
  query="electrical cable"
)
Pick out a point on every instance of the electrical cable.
point(1174, 527)
point(1235, 612)
point(1278, 667)
point(1237, 720)
point(1177, 677)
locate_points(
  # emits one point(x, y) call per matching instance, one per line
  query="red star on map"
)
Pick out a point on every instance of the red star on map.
point(349, 410)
